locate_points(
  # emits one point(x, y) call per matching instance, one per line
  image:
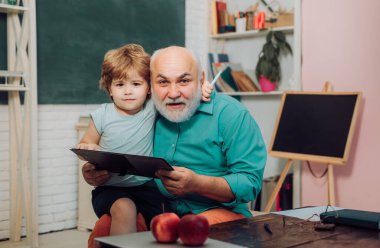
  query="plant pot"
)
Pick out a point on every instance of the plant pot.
point(266, 85)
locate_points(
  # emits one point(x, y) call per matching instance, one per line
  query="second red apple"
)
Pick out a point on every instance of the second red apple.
point(193, 229)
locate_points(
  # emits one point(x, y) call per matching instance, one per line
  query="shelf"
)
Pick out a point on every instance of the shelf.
point(251, 33)
point(10, 73)
point(8, 8)
point(9, 87)
point(255, 93)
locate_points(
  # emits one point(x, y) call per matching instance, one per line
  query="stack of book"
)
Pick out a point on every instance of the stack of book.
point(221, 20)
point(233, 78)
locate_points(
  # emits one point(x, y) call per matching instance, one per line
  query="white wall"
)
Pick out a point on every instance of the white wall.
point(57, 166)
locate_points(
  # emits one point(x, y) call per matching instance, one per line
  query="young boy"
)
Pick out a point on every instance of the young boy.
point(126, 126)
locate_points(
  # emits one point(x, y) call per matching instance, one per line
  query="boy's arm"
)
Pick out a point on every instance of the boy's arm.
point(90, 140)
point(206, 91)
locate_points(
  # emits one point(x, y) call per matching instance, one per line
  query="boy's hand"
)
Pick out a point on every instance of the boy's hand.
point(206, 91)
point(86, 146)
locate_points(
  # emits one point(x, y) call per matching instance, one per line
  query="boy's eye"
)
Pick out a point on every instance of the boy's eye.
point(136, 83)
point(120, 84)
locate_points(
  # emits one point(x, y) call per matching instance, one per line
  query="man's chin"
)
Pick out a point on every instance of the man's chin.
point(175, 107)
point(177, 116)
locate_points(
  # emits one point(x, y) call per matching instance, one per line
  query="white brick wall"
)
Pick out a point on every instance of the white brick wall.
point(57, 166)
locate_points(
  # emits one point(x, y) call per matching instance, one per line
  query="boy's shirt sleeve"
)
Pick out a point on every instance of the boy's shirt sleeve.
point(98, 117)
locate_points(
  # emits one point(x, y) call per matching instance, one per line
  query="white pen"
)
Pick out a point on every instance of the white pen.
point(216, 77)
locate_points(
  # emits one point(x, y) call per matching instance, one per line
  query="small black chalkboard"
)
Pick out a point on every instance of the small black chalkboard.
point(315, 126)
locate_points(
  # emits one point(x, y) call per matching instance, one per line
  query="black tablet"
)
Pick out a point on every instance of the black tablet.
point(123, 163)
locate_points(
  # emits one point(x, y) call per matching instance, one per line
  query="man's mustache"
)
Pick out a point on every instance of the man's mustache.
point(175, 101)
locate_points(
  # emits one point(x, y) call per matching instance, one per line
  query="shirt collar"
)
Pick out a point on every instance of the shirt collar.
point(207, 107)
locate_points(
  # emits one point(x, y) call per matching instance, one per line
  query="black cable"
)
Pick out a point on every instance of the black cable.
point(312, 172)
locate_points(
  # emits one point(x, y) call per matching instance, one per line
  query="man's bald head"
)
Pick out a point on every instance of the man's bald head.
point(176, 79)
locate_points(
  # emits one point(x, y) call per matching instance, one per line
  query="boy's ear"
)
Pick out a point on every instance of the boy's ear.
point(109, 91)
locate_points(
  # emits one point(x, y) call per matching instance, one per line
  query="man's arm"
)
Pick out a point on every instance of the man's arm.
point(182, 181)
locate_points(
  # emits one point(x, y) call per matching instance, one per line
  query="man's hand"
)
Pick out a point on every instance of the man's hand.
point(183, 180)
point(180, 181)
point(94, 177)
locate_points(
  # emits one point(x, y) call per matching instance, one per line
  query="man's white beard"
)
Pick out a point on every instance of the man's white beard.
point(181, 115)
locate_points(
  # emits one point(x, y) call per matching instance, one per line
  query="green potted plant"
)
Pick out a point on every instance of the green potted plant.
point(268, 70)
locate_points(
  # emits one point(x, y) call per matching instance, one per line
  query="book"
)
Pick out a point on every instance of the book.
point(221, 85)
point(123, 163)
point(214, 18)
point(228, 79)
point(215, 58)
point(244, 82)
point(358, 218)
point(221, 9)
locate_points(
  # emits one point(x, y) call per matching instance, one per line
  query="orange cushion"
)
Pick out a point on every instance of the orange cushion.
point(103, 225)
point(220, 215)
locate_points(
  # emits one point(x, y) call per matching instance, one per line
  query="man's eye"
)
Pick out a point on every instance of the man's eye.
point(184, 81)
point(163, 82)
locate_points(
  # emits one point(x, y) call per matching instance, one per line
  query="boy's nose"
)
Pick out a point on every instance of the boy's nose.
point(127, 90)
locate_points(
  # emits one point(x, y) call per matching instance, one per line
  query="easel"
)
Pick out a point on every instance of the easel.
point(330, 172)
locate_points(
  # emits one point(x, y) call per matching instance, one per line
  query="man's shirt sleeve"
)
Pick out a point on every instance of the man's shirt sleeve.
point(246, 157)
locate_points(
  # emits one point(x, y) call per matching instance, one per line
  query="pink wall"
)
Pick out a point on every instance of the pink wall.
point(341, 44)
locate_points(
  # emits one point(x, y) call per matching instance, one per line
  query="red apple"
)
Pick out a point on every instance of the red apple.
point(193, 229)
point(165, 227)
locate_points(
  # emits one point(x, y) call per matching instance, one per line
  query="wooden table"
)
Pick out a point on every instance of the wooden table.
point(286, 231)
point(293, 232)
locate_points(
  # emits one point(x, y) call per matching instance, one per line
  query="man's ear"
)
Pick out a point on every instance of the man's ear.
point(202, 79)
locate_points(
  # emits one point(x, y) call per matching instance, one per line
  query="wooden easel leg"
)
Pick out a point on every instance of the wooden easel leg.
point(278, 186)
point(331, 190)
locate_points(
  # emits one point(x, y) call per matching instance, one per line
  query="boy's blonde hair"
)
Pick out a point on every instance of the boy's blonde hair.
point(118, 62)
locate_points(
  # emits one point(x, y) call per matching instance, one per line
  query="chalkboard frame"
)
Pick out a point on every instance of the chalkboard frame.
point(296, 155)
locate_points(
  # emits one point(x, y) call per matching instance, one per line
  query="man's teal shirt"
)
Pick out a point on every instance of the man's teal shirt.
point(221, 139)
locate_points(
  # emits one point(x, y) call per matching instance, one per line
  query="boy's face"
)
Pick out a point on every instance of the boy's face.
point(129, 95)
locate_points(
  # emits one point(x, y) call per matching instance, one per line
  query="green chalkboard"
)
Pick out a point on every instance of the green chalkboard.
point(73, 36)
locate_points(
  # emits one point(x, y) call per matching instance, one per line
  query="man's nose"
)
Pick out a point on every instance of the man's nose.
point(174, 91)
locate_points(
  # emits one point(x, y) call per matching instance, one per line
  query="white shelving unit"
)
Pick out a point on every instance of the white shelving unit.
point(244, 48)
point(250, 33)
point(256, 93)
point(21, 77)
